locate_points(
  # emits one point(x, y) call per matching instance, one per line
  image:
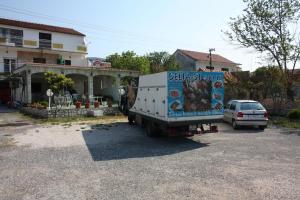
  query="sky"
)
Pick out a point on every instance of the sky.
point(142, 26)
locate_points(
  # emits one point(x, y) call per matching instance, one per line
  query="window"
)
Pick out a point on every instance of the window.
point(210, 68)
point(12, 36)
point(67, 62)
point(16, 37)
point(39, 60)
point(232, 106)
point(9, 65)
point(45, 40)
point(251, 106)
point(225, 69)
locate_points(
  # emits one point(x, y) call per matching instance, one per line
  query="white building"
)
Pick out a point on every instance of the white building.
point(199, 61)
point(28, 50)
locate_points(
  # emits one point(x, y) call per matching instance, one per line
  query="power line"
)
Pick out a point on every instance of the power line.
point(98, 29)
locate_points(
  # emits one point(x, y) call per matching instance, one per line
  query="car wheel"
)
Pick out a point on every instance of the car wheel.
point(234, 125)
point(262, 127)
point(130, 119)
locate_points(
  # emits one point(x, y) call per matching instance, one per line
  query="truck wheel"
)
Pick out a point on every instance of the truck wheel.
point(130, 119)
point(151, 129)
point(262, 127)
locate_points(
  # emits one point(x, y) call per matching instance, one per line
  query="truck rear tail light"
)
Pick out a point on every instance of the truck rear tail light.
point(240, 114)
point(266, 114)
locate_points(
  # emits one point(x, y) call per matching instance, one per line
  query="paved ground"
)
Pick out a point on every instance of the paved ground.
point(116, 161)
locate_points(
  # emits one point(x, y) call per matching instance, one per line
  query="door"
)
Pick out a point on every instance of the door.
point(227, 112)
point(231, 112)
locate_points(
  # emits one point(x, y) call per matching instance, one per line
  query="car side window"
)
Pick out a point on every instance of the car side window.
point(227, 106)
point(232, 106)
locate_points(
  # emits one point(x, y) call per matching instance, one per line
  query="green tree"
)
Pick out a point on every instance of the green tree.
point(162, 61)
point(130, 61)
point(270, 26)
point(58, 82)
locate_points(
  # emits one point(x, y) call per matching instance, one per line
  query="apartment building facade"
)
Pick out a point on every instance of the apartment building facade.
point(28, 50)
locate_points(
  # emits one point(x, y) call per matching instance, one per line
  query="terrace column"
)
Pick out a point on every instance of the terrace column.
point(28, 87)
point(118, 80)
point(90, 85)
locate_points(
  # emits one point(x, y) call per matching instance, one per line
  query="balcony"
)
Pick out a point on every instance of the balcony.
point(39, 44)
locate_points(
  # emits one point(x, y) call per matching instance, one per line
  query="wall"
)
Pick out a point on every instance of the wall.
point(69, 50)
point(27, 55)
point(217, 66)
point(70, 42)
point(108, 87)
point(185, 63)
point(4, 54)
point(78, 82)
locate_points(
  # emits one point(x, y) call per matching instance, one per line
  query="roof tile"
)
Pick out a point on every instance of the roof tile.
point(200, 56)
point(44, 27)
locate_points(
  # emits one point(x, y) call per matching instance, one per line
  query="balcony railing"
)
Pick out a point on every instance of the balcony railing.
point(41, 43)
point(45, 44)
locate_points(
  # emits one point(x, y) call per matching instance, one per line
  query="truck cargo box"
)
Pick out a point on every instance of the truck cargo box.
point(180, 97)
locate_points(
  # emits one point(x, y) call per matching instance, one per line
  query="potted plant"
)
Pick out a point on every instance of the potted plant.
point(78, 104)
point(109, 102)
point(87, 104)
point(96, 104)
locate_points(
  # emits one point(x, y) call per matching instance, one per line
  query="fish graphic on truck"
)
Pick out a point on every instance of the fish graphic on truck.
point(177, 99)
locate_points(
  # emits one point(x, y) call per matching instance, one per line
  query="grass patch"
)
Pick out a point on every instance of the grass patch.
point(284, 122)
point(82, 120)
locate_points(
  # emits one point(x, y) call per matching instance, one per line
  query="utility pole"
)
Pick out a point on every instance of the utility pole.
point(210, 59)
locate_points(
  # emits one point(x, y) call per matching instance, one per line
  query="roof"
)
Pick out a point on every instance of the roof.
point(244, 101)
point(91, 59)
point(44, 27)
point(200, 56)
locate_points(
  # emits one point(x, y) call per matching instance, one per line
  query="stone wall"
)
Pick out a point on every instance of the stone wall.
point(57, 113)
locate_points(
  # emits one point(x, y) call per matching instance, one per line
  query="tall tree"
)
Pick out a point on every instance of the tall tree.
point(270, 26)
point(161, 61)
point(129, 60)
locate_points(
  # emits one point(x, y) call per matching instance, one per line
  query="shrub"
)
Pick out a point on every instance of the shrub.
point(44, 103)
point(294, 114)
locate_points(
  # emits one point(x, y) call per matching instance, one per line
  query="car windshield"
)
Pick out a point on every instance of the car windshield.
point(251, 106)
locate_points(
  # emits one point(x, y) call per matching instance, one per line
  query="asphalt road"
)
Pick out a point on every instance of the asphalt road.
point(117, 161)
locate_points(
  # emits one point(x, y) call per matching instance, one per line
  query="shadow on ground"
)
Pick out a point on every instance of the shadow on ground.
point(121, 141)
point(227, 128)
point(4, 109)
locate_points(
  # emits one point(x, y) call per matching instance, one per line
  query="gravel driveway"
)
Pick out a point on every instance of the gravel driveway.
point(117, 161)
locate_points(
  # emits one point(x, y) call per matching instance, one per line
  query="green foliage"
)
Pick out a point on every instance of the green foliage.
point(130, 61)
point(294, 114)
point(58, 82)
point(43, 103)
point(162, 61)
point(269, 82)
point(284, 122)
point(150, 63)
point(270, 27)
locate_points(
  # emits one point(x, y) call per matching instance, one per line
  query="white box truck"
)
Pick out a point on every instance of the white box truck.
point(171, 101)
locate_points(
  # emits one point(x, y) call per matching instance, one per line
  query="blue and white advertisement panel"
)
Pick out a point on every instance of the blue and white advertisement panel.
point(195, 94)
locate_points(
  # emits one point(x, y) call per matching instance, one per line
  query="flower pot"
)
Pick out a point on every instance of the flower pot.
point(109, 103)
point(78, 105)
point(96, 104)
point(87, 105)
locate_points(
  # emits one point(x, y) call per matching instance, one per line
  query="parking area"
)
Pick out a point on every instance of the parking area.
point(112, 160)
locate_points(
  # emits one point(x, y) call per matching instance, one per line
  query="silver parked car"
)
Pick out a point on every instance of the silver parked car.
point(246, 113)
